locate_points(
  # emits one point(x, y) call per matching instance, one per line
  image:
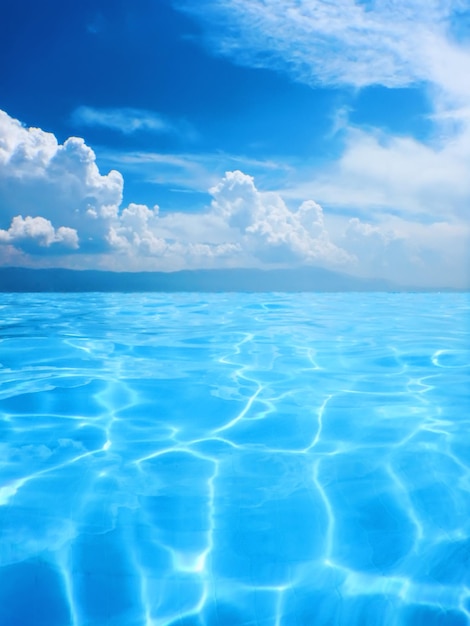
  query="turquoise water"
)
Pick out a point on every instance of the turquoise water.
point(268, 459)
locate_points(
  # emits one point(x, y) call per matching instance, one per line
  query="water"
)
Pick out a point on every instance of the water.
point(268, 459)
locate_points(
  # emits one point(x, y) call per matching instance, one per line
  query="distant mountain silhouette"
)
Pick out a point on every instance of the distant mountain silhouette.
point(16, 279)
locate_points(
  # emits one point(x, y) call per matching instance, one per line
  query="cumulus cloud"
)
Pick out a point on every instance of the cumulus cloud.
point(124, 120)
point(142, 239)
point(41, 178)
point(39, 231)
point(54, 200)
point(269, 228)
point(60, 184)
point(242, 225)
point(136, 232)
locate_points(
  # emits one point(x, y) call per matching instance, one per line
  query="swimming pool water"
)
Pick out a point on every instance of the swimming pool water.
point(235, 459)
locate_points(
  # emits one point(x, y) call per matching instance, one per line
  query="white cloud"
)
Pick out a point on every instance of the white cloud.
point(270, 230)
point(378, 247)
point(135, 231)
point(124, 120)
point(40, 231)
point(191, 171)
point(62, 183)
point(242, 226)
point(360, 43)
point(145, 240)
point(379, 172)
point(53, 200)
point(411, 253)
point(345, 42)
point(422, 188)
point(50, 182)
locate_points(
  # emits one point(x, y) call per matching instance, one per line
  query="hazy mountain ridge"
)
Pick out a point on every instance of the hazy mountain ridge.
point(20, 279)
point(17, 279)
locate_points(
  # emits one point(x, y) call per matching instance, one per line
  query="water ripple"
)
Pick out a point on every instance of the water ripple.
point(235, 459)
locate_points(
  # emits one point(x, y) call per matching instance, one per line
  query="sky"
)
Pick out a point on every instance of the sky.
point(174, 134)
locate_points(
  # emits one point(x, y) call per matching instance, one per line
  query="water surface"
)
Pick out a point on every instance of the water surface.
point(235, 459)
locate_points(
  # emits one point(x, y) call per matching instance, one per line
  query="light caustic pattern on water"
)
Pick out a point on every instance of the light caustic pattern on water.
point(194, 459)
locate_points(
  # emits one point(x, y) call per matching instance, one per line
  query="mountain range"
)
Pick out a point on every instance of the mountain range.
point(20, 279)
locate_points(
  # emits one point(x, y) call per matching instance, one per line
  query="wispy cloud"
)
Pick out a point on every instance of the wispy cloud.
point(123, 120)
point(381, 172)
point(345, 42)
point(192, 171)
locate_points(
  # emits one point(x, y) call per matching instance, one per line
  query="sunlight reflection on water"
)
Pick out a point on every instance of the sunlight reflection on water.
point(195, 459)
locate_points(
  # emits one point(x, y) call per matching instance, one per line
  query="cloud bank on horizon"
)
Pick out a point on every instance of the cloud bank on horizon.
point(80, 209)
point(388, 204)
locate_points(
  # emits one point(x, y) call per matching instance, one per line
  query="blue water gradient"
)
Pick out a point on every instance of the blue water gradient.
point(235, 459)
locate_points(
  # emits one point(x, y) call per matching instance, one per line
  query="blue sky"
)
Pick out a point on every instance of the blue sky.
point(170, 134)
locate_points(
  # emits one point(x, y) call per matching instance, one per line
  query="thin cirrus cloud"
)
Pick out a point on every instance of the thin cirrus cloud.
point(123, 120)
point(192, 172)
point(346, 42)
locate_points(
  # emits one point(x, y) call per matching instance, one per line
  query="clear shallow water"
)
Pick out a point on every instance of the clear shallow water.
point(194, 459)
